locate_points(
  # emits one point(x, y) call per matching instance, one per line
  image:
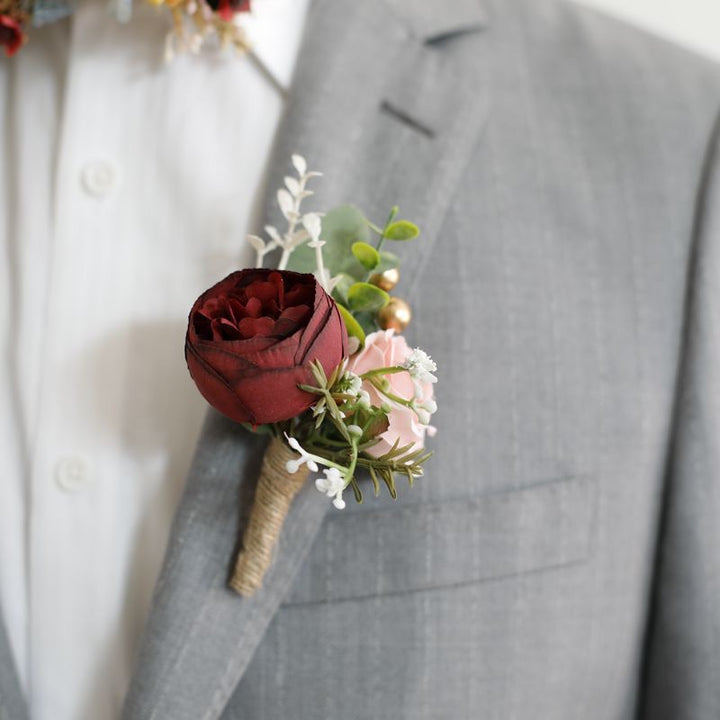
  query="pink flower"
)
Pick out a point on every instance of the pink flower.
point(385, 349)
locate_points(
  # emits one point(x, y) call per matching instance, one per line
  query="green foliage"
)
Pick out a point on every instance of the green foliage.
point(366, 320)
point(401, 230)
point(350, 259)
point(366, 255)
point(329, 431)
point(374, 424)
point(353, 327)
point(341, 289)
point(341, 228)
point(328, 436)
point(364, 297)
point(397, 461)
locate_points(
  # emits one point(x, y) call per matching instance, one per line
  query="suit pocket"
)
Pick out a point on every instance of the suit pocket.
point(435, 545)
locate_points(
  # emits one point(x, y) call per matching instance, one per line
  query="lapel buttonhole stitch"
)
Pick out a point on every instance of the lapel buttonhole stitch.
point(407, 120)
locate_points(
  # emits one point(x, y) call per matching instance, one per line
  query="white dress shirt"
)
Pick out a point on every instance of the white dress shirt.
point(126, 189)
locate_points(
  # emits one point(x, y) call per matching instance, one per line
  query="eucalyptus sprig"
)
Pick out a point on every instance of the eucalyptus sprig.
point(344, 250)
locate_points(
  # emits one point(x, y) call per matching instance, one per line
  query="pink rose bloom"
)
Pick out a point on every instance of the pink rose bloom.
point(385, 349)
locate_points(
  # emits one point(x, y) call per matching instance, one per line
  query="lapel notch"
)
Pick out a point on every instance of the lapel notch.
point(431, 21)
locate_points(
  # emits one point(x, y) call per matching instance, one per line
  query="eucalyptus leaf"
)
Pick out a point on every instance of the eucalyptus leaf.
point(366, 254)
point(366, 321)
point(402, 230)
point(341, 227)
point(364, 297)
point(353, 327)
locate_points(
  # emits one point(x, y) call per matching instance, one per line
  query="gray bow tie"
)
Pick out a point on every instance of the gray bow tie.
point(47, 11)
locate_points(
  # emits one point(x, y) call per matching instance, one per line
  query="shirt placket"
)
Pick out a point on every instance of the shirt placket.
point(71, 520)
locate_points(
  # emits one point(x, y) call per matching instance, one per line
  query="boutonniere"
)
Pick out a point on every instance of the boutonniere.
point(13, 19)
point(192, 21)
point(312, 354)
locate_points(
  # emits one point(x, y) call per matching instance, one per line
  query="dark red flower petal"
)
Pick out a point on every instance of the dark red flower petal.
point(251, 339)
point(254, 307)
point(265, 291)
point(299, 295)
point(256, 327)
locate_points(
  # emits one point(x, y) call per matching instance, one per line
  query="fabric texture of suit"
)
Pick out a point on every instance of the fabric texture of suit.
point(560, 558)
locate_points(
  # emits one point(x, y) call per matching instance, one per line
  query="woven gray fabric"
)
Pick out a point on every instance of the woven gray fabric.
point(560, 557)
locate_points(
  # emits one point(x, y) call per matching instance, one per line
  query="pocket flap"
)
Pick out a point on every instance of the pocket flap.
point(425, 546)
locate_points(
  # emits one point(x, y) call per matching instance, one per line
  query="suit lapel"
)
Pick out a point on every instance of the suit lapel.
point(388, 104)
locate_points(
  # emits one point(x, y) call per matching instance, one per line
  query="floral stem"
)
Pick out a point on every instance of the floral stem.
point(383, 371)
point(321, 275)
point(284, 258)
point(350, 473)
point(391, 396)
point(391, 217)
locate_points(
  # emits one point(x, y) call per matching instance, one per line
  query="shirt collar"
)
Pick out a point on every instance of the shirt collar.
point(275, 29)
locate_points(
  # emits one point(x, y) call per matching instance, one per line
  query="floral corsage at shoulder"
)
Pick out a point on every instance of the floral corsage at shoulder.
point(311, 353)
point(192, 22)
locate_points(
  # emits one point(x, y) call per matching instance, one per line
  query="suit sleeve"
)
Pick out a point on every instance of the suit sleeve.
point(681, 674)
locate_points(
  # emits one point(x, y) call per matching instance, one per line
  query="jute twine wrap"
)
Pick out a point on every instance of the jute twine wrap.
point(274, 494)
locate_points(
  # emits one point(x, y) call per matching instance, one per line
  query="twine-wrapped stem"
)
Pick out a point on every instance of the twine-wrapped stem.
point(274, 494)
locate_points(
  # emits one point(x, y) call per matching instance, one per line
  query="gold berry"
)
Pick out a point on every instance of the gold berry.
point(386, 280)
point(395, 315)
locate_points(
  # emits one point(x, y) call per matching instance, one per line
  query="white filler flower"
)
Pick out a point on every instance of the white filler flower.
point(292, 466)
point(421, 366)
point(332, 485)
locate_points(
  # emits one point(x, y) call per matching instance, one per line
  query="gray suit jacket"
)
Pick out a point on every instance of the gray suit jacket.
point(560, 559)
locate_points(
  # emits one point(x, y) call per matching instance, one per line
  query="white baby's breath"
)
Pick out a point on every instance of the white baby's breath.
point(424, 410)
point(364, 399)
point(351, 384)
point(354, 384)
point(421, 366)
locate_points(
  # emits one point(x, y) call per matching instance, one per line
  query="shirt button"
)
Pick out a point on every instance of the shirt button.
point(98, 178)
point(72, 473)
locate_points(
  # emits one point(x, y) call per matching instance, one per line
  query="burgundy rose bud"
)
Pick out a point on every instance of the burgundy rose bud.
point(252, 337)
point(11, 35)
point(228, 8)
